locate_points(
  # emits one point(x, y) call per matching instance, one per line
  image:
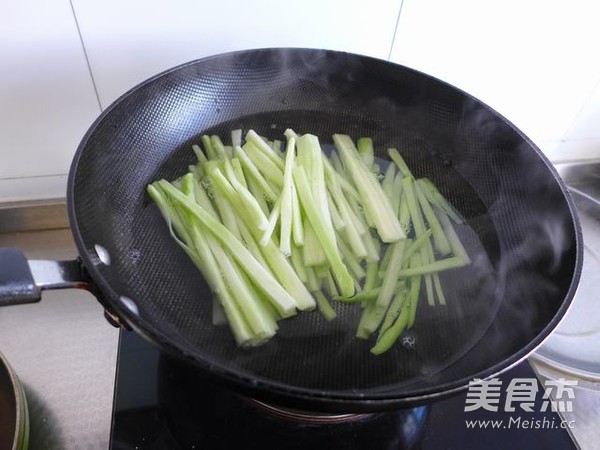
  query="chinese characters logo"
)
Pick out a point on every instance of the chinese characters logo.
point(521, 393)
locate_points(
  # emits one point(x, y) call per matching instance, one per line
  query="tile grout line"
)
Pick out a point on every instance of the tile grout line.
point(395, 30)
point(580, 110)
point(26, 177)
point(85, 54)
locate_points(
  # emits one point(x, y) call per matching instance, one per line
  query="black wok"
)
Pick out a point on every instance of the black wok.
point(523, 233)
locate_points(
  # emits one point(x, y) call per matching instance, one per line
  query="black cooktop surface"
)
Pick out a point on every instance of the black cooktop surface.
point(162, 404)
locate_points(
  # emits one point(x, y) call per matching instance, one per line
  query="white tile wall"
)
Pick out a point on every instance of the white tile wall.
point(533, 61)
point(582, 139)
point(128, 42)
point(47, 99)
point(587, 123)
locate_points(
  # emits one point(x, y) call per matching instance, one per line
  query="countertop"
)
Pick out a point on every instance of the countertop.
point(64, 352)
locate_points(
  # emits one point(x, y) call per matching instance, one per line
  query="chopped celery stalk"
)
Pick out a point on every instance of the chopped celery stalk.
point(359, 211)
point(341, 176)
point(247, 201)
point(397, 195)
point(351, 260)
point(362, 331)
point(289, 133)
point(404, 213)
point(357, 286)
point(371, 279)
point(387, 256)
point(337, 164)
point(270, 171)
point(251, 243)
point(413, 206)
point(418, 222)
point(321, 271)
point(340, 271)
point(258, 194)
point(310, 158)
point(440, 265)
point(312, 250)
point(177, 224)
point(388, 182)
point(261, 325)
point(324, 306)
point(272, 258)
point(208, 148)
point(218, 147)
point(439, 200)
point(264, 148)
point(177, 183)
point(313, 283)
point(415, 288)
point(271, 223)
point(330, 283)
point(355, 213)
point(345, 212)
point(393, 312)
point(336, 218)
point(298, 264)
point(273, 230)
point(187, 185)
point(277, 147)
point(226, 212)
point(365, 150)
point(457, 248)
point(285, 237)
point(372, 246)
point(437, 285)
point(440, 241)
point(284, 303)
point(203, 199)
point(239, 327)
point(197, 170)
point(388, 286)
point(399, 161)
point(347, 187)
point(368, 296)
point(297, 225)
point(376, 204)
point(236, 138)
point(416, 245)
point(263, 303)
point(285, 273)
point(255, 174)
point(239, 172)
point(244, 203)
point(205, 261)
point(389, 338)
point(199, 154)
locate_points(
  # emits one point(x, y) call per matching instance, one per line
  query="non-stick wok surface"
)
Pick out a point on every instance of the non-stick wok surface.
point(521, 231)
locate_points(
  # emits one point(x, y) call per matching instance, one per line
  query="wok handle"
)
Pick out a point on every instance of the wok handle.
point(22, 281)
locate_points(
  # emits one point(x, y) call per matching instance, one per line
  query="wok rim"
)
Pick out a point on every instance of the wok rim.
point(264, 388)
point(20, 414)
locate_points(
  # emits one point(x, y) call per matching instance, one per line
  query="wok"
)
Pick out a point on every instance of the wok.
point(523, 234)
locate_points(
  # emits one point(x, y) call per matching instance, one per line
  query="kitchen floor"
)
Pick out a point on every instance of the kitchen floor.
point(64, 352)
